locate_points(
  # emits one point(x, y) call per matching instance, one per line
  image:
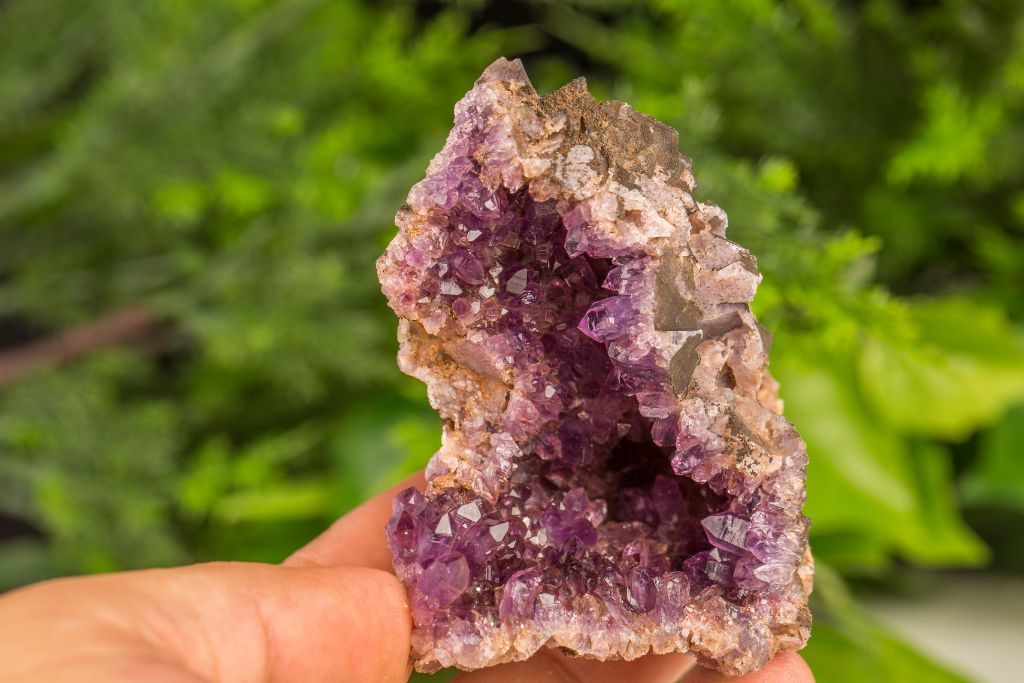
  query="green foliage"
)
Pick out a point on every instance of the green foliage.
point(960, 372)
point(873, 493)
point(848, 645)
point(234, 166)
point(997, 477)
point(93, 468)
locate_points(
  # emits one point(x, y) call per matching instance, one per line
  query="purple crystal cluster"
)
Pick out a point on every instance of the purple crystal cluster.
point(615, 475)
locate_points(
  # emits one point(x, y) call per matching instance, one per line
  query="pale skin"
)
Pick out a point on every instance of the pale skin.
point(331, 613)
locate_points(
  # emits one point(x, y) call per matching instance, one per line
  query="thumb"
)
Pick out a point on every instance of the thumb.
point(229, 622)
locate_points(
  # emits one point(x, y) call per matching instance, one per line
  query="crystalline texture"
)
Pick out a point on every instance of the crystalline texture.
point(615, 475)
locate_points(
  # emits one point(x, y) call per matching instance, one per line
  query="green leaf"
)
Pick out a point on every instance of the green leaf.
point(207, 480)
point(276, 502)
point(848, 645)
point(852, 552)
point(940, 512)
point(242, 193)
point(264, 460)
point(253, 483)
point(961, 372)
point(380, 442)
point(997, 477)
point(953, 142)
point(181, 202)
point(863, 478)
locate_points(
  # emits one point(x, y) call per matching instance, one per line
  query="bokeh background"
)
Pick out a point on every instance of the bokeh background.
point(196, 361)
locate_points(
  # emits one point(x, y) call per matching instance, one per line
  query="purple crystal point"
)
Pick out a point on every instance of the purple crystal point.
point(445, 579)
point(616, 476)
point(640, 591)
point(519, 594)
point(727, 532)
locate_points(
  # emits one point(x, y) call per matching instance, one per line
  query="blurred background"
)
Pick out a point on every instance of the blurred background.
point(196, 361)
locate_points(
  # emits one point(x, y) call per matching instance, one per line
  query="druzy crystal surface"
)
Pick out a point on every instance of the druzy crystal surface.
point(615, 475)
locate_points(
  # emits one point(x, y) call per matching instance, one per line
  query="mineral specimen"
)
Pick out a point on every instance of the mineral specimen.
point(616, 476)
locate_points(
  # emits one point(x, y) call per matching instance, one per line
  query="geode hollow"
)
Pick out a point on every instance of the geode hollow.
point(615, 475)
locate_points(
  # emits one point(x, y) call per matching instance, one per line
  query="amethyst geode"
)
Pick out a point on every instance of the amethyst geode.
point(616, 476)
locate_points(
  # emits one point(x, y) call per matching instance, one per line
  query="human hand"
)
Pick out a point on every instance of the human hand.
point(330, 612)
